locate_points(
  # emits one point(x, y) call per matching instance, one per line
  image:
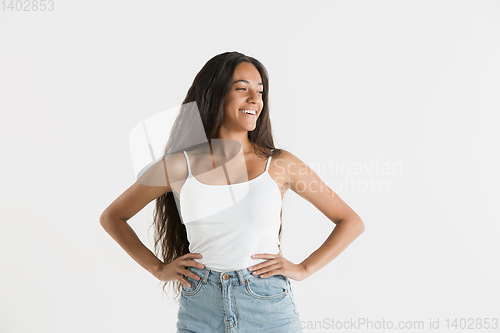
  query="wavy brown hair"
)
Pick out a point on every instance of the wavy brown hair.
point(209, 90)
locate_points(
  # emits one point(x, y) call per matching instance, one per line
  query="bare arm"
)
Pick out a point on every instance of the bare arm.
point(344, 233)
point(134, 199)
point(306, 183)
point(114, 221)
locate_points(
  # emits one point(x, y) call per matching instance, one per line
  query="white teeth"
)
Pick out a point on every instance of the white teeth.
point(248, 112)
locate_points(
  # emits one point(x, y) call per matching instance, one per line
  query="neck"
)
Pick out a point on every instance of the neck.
point(246, 145)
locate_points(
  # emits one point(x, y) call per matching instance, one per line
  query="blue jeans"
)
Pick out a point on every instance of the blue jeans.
point(237, 301)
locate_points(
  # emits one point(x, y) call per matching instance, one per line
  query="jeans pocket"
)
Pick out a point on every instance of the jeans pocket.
point(270, 288)
point(193, 289)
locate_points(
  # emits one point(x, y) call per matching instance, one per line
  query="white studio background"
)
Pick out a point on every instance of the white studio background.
point(404, 93)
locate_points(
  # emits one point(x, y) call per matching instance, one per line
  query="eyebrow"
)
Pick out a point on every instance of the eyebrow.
point(246, 81)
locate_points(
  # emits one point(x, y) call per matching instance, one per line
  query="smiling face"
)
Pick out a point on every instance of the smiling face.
point(245, 94)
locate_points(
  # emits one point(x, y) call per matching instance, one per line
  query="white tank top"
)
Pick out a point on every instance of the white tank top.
point(226, 224)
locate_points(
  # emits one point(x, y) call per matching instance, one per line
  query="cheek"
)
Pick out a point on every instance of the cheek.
point(229, 101)
point(232, 104)
point(230, 110)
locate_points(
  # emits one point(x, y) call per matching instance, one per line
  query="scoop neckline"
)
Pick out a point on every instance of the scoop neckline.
point(248, 181)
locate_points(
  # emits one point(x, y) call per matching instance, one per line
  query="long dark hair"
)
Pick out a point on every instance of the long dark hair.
point(209, 90)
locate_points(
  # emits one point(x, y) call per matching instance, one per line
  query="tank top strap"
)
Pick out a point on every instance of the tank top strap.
point(269, 161)
point(187, 162)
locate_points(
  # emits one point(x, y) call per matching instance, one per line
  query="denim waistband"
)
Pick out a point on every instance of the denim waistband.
point(217, 277)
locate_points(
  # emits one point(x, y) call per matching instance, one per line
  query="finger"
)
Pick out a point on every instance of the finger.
point(264, 256)
point(268, 271)
point(191, 275)
point(184, 282)
point(192, 255)
point(192, 263)
point(263, 264)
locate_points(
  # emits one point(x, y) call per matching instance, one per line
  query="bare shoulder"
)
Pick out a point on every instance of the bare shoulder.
point(158, 179)
point(294, 171)
point(284, 164)
point(289, 160)
point(304, 181)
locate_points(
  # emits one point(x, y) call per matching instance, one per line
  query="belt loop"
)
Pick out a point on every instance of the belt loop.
point(240, 277)
point(205, 278)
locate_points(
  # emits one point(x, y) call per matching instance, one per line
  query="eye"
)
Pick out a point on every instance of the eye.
point(261, 92)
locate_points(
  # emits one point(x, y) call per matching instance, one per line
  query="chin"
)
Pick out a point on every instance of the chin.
point(249, 129)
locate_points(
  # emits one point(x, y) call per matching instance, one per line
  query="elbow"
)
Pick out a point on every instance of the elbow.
point(357, 224)
point(107, 221)
point(103, 220)
point(361, 227)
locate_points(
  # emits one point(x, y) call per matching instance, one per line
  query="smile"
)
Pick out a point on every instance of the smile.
point(249, 113)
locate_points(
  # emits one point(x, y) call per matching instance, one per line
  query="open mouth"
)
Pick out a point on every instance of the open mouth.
point(249, 113)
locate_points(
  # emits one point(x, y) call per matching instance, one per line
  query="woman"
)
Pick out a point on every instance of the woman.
point(217, 235)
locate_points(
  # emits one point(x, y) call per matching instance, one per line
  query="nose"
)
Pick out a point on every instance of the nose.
point(253, 96)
